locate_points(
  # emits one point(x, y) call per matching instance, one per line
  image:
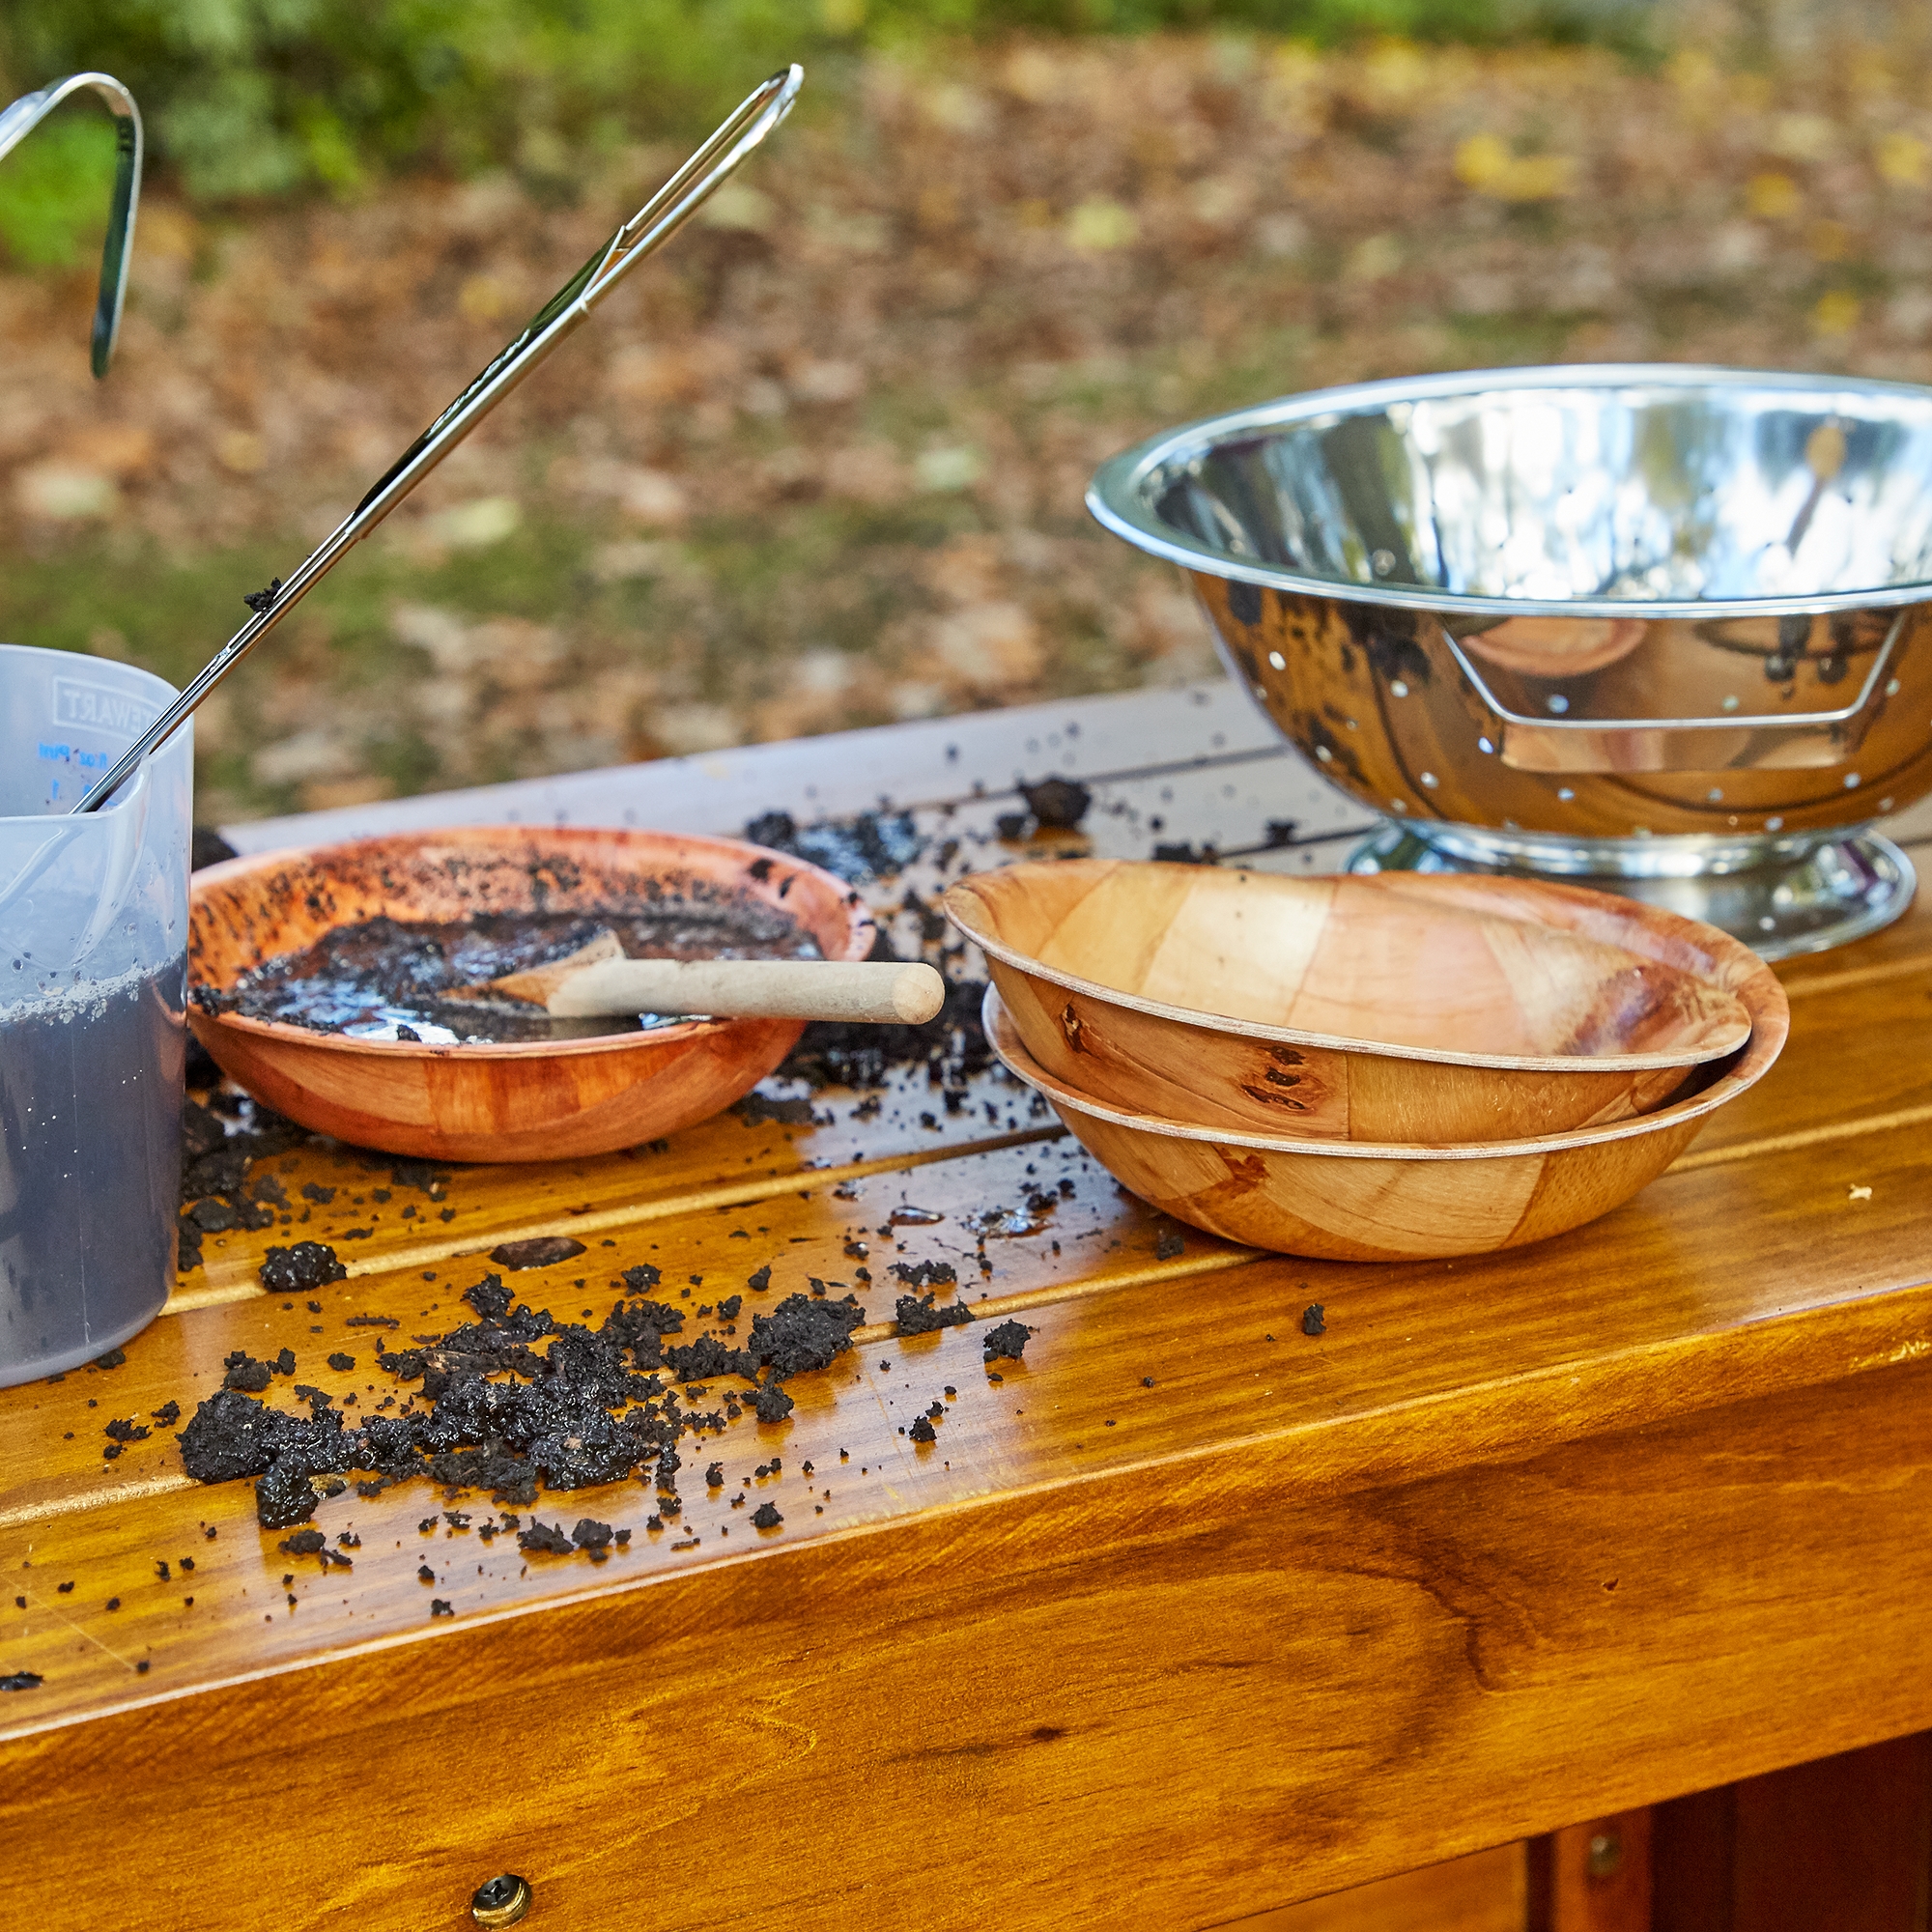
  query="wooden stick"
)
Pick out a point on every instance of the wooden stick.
point(884, 992)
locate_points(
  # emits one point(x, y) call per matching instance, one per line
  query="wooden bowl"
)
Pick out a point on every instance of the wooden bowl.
point(1391, 1007)
point(1351, 1201)
point(530, 1100)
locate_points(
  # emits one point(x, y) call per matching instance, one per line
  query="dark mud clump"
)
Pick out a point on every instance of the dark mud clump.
point(298, 1269)
point(496, 1411)
point(871, 845)
point(771, 1404)
point(1008, 1341)
point(918, 1315)
point(1057, 804)
point(802, 1333)
point(926, 1274)
point(707, 1358)
point(217, 1194)
point(756, 1109)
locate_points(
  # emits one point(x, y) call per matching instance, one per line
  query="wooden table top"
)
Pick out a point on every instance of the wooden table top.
point(1187, 1598)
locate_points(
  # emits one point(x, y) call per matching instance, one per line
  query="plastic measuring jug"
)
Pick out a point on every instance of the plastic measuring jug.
point(93, 986)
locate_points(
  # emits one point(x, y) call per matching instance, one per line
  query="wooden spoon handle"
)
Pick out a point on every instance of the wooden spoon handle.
point(882, 991)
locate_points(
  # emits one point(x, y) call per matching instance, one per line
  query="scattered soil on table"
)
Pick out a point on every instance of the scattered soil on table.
point(951, 1046)
point(924, 1274)
point(515, 1401)
point(219, 1190)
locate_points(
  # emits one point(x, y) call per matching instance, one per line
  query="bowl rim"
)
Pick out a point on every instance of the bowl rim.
point(859, 926)
point(1195, 1016)
point(1116, 498)
point(1752, 1063)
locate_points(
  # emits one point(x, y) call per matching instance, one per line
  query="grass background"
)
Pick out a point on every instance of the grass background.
point(821, 465)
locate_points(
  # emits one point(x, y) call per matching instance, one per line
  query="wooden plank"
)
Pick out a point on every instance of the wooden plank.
point(1374, 1674)
point(1108, 743)
point(1857, 1053)
point(1424, 1370)
point(1092, 1238)
point(722, 1162)
point(1482, 1893)
point(1384, 1582)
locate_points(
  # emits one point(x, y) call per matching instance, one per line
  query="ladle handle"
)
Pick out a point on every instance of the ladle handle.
point(881, 992)
point(22, 117)
point(646, 230)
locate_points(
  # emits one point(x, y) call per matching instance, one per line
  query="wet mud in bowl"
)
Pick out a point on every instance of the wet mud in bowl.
point(506, 1099)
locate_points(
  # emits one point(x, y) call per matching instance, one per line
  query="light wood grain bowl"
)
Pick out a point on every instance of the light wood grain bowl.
point(530, 1100)
point(1386, 1008)
point(1352, 1201)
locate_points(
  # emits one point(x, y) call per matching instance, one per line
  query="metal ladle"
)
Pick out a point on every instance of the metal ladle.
point(23, 116)
point(646, 230)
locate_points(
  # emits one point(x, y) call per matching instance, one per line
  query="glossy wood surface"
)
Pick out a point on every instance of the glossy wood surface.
point(1388, 1009)
point(525, 1101)
point(1514, 1542)
point(1354, 1201)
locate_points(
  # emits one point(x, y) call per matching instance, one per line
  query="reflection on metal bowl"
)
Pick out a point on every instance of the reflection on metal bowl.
point(1667, 628)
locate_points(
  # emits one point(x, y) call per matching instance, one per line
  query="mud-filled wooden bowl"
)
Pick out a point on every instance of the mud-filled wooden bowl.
point(1392, 1007)
point(522, 1101)
point(1354, 1201)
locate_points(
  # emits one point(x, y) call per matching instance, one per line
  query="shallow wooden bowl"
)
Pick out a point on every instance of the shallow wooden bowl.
point(531, 1100)
point(1352, 1201)
point(1390, 1007)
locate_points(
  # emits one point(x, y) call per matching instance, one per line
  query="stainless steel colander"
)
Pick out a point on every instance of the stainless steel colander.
point(1665, 627)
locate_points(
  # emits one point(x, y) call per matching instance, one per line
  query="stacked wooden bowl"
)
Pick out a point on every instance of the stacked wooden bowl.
point(1389, 1067)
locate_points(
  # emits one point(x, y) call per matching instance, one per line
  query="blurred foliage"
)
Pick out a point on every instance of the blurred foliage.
point(252, 98)
point(54, 187)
